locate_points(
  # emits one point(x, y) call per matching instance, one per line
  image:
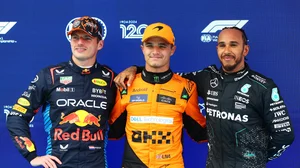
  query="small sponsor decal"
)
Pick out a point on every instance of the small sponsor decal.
point(19, 108)
point(99, 82)
point(24, 102)
point(65, 79)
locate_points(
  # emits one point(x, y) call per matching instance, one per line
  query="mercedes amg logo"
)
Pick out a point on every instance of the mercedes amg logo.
point(214, 82)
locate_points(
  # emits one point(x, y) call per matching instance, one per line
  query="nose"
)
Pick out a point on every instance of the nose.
point(156, 50)
point(80, 40)
point(227, 49)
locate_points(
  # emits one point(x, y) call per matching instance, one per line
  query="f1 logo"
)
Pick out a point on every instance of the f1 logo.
point(6, 26)
point(216, 25)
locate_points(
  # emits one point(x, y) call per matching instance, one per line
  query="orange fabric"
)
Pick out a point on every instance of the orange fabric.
point(154, 125)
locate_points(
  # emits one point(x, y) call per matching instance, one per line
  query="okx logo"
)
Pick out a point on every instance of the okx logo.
point(208, 33)
point(5, 27)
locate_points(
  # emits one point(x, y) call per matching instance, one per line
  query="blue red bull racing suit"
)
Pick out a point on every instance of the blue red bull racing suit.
point(76, 105)
point(247, 119)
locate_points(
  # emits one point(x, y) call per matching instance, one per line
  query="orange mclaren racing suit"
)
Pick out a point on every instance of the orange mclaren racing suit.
point(155, 109)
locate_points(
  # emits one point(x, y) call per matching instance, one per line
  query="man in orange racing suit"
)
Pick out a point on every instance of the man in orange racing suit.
point(156, 107)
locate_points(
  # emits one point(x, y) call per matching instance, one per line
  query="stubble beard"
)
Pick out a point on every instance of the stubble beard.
point(230, 68)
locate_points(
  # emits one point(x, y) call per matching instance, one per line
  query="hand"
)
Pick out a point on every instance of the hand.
point(47, 161)
point(126, 75)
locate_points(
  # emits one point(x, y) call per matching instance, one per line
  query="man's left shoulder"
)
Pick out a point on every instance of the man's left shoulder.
point(261, 79)
point(107, 71)
point(181, 79)
point(186, 83)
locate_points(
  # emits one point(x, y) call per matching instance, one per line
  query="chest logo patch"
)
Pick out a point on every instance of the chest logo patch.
point(99, 82)
point(65, 79)
point(165, 99)
point(139, 98)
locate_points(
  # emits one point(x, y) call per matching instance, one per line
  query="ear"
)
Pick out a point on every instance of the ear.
point(246, 50)
point(173, 50)
point(100, 44)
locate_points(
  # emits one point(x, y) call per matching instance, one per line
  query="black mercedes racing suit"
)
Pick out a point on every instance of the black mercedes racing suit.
point(247, 120)
point(76, 105)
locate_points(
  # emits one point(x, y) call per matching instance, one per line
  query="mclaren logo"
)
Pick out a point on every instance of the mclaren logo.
point(158, 28)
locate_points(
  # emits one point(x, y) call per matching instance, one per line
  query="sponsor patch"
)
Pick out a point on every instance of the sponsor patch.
point(140, 90)
point(245, 88)
point(65, 89)
point(165, 99)
point(151, 119)
point(163, 156)
point(28, 144)
point(24, 102)
point(35, 79)
point(282, 125)
point(139, 98)
point(275, 95)
point(63, 148)
point(94, 147)
point(19, 108)
point(65, 79)
point(99, 82)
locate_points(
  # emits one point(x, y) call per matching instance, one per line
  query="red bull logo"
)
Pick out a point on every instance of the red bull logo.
point(27, 142)
point(81, 118)
point(86, 135)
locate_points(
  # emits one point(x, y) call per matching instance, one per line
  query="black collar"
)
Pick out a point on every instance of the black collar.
point(83, 71)
point(157, 78)
point(235, 76)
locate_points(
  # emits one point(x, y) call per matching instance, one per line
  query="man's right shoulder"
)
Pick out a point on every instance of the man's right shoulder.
point(58, 66)
point(212, 68)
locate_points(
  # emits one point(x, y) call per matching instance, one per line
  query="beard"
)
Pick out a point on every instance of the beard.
point(231, 67)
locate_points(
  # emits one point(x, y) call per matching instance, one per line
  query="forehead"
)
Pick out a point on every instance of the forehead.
point(230, 35)
point(80, 33)
point(156, 39)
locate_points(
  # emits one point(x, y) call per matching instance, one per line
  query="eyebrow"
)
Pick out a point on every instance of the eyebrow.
point(84, 35)
point(231, 42)
point(161, 43)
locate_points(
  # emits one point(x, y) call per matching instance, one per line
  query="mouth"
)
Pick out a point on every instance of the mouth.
point(228, 57)
point(155, 56)
point(79, 49)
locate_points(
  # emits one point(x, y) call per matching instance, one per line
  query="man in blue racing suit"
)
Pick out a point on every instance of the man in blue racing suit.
point(77, 97)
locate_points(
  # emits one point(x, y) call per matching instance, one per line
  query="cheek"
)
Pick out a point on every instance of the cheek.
point(146, 52)
point(219, 53)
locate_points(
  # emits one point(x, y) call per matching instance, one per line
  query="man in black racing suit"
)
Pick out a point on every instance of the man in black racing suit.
point(247, 120)
point(246, 117)
point(77, 98)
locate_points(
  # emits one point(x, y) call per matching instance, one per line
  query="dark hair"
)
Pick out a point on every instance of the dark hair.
point(244, 36)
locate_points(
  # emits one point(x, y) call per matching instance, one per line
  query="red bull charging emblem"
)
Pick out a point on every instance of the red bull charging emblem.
point(80, 118)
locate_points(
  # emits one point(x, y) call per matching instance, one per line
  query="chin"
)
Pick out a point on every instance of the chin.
point(229, 67)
